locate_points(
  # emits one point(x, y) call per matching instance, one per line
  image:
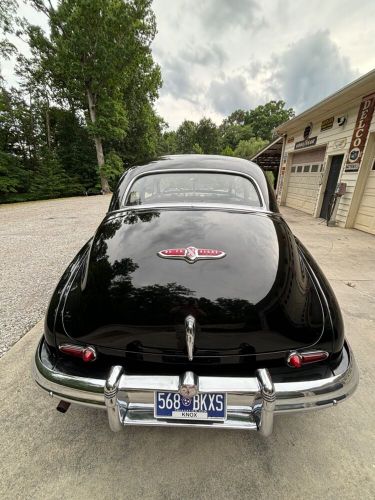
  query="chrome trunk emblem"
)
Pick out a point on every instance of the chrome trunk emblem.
point(191, 254)
point(190, 335)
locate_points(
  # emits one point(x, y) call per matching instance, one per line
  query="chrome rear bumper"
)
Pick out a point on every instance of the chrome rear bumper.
point(251, 402)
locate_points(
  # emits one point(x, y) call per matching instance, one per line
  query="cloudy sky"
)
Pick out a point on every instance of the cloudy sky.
point(220, 55)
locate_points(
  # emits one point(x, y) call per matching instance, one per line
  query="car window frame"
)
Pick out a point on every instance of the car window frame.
point(258, 190)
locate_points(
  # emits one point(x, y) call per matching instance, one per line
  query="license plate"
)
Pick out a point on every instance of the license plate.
point(205, 406)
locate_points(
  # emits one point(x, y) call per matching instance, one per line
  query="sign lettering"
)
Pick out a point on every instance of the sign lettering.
point(305, 143)
point(327, 124)
point(360, 133)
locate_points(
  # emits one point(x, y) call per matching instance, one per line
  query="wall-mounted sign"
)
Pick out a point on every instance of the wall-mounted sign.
point(327, 124)
point(351, 168)
point(305, 143)
point(307, 131)
point(339, 143)
point(290, 139)
point(366, 110)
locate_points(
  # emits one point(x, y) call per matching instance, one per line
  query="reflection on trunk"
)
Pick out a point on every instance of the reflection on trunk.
point(258, 299)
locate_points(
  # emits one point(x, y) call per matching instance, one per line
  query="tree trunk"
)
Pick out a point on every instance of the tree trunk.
point(48, 127)
point(98, 145)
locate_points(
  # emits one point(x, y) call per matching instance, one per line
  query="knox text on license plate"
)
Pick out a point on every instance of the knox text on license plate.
point(205, 406)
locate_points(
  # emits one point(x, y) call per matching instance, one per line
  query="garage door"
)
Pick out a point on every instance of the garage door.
point(365, 220)
point(304, 180)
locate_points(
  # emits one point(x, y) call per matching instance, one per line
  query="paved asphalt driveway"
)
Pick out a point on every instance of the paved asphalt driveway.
point(327, 454)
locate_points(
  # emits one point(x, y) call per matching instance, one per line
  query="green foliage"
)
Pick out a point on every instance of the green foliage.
point(207, 136)
point(73, 147)
point(51, 181)
point(186, 137)
point(232, 133)
point(271, 177)
point(113, 168)
point(85, 112)
point(197, 149)
point(98, 58)
point(247, 149)
point(168, 143)
point(227, 151)
point(8, 10)
point(12, 175)
point(264, 119)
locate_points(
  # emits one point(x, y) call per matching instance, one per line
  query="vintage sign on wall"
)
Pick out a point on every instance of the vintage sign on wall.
point(360, 133)
point(339, 143)
point(305, 143)
point(327, 124)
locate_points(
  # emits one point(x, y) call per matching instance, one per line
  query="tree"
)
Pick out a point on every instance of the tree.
point(186, 135)
point(51, 181)
point(227, 151)
point(207, 136)
point(238, 117)
point(197, 149)
point(94, 52)
point(247, 149)
point(113, 168)
point(168, 143)
point(232, 134)
point(8, 9)
point(265, 118)
point(73, 147)
point(12, 175)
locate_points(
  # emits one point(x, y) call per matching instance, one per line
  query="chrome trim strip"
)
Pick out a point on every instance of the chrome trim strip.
point(209, 170)
point(266, 403)
point(190, 335)
point(110, 398)
point(193, 206)
point(252, 401)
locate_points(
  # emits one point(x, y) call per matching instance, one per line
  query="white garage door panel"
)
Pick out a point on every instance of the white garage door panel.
point(365, 220)
point(303, 190)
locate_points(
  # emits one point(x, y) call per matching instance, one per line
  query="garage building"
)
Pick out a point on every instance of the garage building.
point(328, 149)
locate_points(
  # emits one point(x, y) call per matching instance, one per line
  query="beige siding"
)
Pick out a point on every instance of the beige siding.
point(350, 179)
point(365, 220)
point(337, 141)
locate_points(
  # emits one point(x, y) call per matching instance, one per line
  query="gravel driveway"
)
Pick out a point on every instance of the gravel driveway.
point(37, 241)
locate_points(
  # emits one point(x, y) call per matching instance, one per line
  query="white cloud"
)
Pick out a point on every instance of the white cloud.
point(309, 70)
point(231, 93)
point(218, 55)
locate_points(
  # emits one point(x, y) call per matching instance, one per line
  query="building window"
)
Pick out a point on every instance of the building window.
point(314, 168)
point(373, 165)
point(306, 168)
point(299, 168)
point(293, 169)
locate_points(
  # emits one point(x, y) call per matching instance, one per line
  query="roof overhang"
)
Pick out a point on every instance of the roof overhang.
point(269, 156)
point(331, 105)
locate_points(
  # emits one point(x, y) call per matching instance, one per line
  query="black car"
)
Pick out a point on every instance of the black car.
point(195, 305)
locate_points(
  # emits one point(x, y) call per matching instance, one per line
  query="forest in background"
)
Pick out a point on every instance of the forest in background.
point(83, 110)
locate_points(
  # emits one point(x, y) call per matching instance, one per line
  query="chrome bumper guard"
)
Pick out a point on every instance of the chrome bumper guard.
point(251, 402)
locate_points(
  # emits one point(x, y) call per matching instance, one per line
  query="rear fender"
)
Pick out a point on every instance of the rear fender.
point(335, 326)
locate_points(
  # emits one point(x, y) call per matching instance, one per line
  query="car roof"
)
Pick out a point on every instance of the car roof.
point(192, 161)
point(199, 161)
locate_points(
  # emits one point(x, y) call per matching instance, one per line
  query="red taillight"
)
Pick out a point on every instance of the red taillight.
point(295, 361)
point(85, 353)
point(298, 359)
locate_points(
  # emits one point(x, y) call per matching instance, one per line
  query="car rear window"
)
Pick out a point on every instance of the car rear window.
point(193, 187)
